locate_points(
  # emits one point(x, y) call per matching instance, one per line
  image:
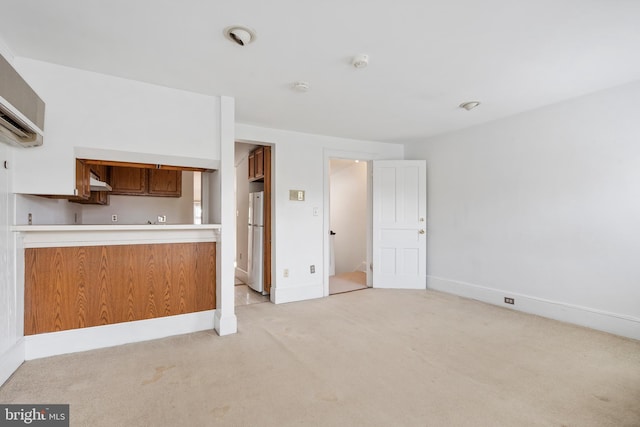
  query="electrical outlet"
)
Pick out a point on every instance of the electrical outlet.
point(285, 273)
point(114, 218)
point(509, 300)
point(30, 218)
point(162, 219)
point(312, 268)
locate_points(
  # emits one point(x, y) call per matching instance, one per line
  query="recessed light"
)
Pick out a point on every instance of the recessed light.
point(240, 35)
point(300, 86)
point(360, 61)
point(470, 105)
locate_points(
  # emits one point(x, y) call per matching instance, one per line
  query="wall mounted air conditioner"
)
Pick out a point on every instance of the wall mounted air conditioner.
point(21, 109)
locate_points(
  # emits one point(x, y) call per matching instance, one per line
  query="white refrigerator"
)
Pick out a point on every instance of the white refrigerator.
point(256, 241)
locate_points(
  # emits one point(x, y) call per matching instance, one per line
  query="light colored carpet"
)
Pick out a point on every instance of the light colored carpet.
point(369, 358)
point(347, 282)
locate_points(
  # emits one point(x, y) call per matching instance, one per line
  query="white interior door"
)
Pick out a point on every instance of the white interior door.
point(399, 224)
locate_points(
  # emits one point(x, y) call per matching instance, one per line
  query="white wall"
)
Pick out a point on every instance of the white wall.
point(348, 207)
point(44, 210)
point(299, 239)
point(141, 209)
point(106, 116)
point(11, 305)
point(11, 298)
point(543, 207)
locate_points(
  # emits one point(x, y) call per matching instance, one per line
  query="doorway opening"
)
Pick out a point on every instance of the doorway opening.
point(348, 213)
point(253, 223)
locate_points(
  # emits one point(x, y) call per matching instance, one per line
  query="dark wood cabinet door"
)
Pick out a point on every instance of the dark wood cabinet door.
point(83, 184)
point(259, 163)
point(256, 164)
point(128, 181)
point(83, 189)
point(163, 182)
point(252, 166)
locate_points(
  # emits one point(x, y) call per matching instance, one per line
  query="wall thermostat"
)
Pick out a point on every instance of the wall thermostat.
point(297, 195)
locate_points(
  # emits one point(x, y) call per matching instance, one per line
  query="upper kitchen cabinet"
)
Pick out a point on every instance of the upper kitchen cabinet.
point(128, 181)
point(133, 181)
point(256, 164)
point(85, 193)
point(163, 182)
point(83, 176)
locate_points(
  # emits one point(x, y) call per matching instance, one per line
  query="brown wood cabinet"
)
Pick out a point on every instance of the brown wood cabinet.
point(126, 178)
point(83, 191)
point(83, 187)
point(128, 181)
point(133, 181)
point(82, 286)
point(83, 172)
point(256, 164)
point(260, 163)
point(252, 166)
point(164, 182)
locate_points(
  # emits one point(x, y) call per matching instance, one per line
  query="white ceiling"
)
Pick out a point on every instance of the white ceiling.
point(426, 56)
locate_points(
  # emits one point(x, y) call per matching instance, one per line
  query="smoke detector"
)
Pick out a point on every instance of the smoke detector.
point(240, 35)
point(469, 105)
point(300, 86)
point(360, 61)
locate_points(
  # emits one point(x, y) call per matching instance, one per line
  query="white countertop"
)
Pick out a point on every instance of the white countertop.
point(40, 236)
point(107, 227)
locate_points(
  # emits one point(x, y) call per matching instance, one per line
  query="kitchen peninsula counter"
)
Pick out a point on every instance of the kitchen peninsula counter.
point(81, 278)
point(38, 236)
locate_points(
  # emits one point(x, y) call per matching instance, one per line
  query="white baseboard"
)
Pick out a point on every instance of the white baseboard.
point(299, 293)
point(225, 324)
point(614, 323)
point(11, 360)
point(242, 275)
point(83, 339)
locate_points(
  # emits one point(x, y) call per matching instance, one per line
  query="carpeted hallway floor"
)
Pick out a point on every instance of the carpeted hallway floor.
point(368, 358)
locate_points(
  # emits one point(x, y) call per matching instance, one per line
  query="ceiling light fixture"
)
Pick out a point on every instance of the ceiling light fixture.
point(300, 86)
point(240, 35)
point(469, 105)
point(360, 61)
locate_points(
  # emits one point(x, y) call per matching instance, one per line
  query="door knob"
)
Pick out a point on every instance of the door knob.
point(421, 231)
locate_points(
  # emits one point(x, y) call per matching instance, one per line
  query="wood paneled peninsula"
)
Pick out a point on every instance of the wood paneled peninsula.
point(80, 276)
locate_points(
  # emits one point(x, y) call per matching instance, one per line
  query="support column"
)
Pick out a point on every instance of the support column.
point(225, 321)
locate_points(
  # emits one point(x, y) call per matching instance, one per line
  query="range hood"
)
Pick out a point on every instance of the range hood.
point(21, 109)
point(96, 185)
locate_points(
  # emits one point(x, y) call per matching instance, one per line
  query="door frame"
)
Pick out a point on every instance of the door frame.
point(329, 154)
point(269, 214)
